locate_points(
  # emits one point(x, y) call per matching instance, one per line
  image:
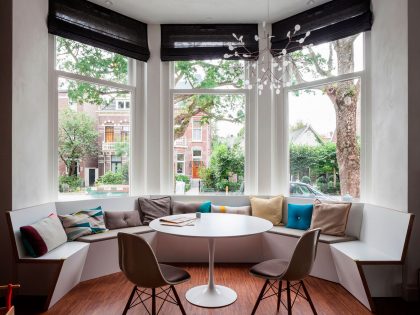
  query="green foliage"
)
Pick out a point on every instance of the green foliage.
point(185, 179)
point(225, 162)
point(77, 137)
point(306, 180)
point(79, 58)
point(122, 148)
point(111, 178)
point(69, 183)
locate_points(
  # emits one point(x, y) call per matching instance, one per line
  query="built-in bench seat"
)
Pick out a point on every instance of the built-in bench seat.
point(323, 238)
point(374, 236)
point(112, 234)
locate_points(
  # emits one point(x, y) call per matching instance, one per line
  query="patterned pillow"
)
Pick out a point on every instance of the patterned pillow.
point(84, 222)
point(246, 210)
point(43, 236)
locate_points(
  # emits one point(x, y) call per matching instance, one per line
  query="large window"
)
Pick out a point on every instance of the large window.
point(209, 105)
point(325, 119)
point(93, 121)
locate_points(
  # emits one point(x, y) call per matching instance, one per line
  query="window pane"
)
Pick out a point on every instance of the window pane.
point(93, 142)
point(326, 60)
point(209, 74)
point(324, 138)
point(217, 162)
point(83, 59)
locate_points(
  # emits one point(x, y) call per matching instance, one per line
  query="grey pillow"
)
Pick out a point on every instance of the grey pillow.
point(151, 209)
point(121, 219)
point(185, 207)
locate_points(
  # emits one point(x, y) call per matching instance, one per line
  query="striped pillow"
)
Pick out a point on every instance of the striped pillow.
point(84, 222)
point(43, 236)
point(246, 210)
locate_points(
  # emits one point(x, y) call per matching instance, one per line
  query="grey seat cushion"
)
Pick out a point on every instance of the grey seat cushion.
point(121, 219)
point(323, 238)
point(174, 274)
point(273, 268)
point(111, 234)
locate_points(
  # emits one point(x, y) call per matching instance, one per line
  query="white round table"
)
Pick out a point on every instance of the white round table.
point(213, 226)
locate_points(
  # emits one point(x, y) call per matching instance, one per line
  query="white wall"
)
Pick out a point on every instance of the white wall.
point(30, 149)
point(389, 67)
point(413, 261)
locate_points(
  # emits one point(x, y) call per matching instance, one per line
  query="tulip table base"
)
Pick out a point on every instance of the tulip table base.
point(211, 295)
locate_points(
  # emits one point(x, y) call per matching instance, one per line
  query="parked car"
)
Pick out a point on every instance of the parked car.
point(298, 189)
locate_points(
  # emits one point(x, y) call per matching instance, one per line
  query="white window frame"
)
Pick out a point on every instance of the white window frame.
point(198, 157)
point(365, 132)
point(249, 100)
point(125, 107)
point(179, 161)
point(195, 120)
point(135, 84)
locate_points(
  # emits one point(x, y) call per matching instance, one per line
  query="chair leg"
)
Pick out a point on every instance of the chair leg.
point(309, 298)
point(289, 300)
point(127, 306)
point(153, 301)
point(178, 300)
point(259, 297)
point(279, 295)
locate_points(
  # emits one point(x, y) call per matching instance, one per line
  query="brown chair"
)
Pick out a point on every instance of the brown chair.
point(140, 266)
point(299, 267)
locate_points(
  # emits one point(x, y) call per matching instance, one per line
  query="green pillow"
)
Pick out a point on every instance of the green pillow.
point(205, 207)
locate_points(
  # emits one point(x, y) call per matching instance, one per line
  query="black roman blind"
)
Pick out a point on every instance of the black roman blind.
point(97, 26)
point(327, 22)
point(180, 42)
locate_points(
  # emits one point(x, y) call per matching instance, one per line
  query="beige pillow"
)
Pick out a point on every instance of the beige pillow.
point(269, 209)
point(331, 218)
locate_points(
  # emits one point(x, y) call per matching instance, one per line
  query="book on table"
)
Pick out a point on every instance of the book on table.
point(178, 221)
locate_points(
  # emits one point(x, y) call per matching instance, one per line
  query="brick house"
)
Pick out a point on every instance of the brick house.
point(193, 149)
point(113, 126)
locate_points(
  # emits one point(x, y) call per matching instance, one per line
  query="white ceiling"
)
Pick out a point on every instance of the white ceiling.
point(208, 11)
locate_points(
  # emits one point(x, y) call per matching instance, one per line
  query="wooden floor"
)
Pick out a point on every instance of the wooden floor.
point(108, 295)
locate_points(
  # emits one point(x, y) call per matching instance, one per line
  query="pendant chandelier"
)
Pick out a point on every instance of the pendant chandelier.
point(265, 72)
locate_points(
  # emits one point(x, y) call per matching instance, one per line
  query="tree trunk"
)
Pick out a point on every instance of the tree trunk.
point(72, 169)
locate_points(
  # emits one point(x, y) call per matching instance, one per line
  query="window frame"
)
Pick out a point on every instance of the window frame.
point(248, 98)
point(194, 120)
point(180, 161)
point(365, 130)
point(135, 71)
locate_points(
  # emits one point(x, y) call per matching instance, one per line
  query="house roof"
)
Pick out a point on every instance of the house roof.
point(295, 135)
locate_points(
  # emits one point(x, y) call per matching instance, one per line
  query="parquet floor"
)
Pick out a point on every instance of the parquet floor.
point(108, 295)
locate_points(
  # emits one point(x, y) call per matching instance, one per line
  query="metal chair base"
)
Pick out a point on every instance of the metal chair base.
point(140, 296)
point(270, 289)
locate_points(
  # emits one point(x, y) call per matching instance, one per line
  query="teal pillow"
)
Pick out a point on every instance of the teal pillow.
point(299, 216)
point(205, 207)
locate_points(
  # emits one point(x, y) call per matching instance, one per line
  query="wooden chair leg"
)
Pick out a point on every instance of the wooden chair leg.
point(127, 306)
point(259, 297)
point(178, 300)
point(309, 298)
point(289, 300)
point(153, 301)
point(279, 295)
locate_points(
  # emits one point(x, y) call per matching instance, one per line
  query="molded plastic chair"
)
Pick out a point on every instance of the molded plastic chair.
point(299, 267)
point(139, 264)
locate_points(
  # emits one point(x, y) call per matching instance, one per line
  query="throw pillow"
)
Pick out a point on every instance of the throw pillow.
point(84, 222)
point(245, 210)
point(43, 236)
point(269, 209)
point(121, 219)
point(331, 218)
point(299, 216)
point(190, 207)
point(151, 209)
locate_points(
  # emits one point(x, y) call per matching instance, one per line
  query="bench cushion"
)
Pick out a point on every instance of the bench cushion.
point(363, 252)
point(329, 239)
point(62, 252)
point(113, 234)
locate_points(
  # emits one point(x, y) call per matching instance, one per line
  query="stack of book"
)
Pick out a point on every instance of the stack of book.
point(178, 221)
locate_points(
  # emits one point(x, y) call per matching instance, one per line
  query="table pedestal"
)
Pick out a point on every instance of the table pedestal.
point(211, 295)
